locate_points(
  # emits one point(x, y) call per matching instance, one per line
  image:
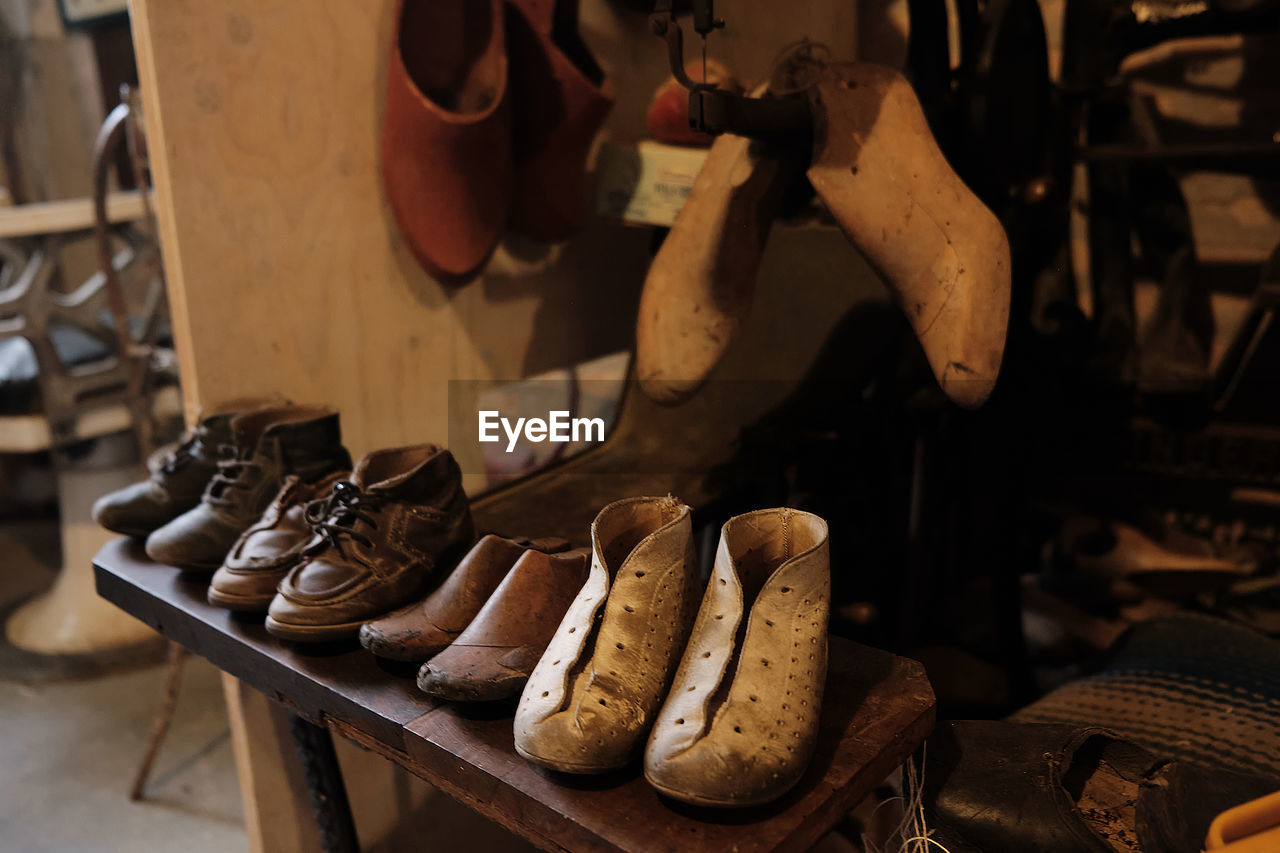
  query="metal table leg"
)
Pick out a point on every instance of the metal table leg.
point(324, 786)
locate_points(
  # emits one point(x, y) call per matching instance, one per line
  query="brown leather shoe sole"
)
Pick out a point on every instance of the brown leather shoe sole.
point(313, 633)
point(197, 568)
point(125, 530)
point(241, 603)
point(466, 690)
point(393, 648)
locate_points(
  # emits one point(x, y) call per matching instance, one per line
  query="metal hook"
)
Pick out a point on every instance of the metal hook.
point(713, 110)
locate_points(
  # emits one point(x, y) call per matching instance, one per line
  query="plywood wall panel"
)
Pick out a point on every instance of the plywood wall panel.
point(287, 273)
point(285, 270)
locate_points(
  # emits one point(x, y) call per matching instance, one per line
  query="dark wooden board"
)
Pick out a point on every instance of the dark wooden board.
point(877, 709)
point(340, 681)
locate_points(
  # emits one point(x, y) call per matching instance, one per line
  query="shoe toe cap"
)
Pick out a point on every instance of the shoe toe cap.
point(404, 635)
point(190, 542)
point(715, 772)
point(473, 673)
point(135, 510)
point(240, 584)
point(594, 734)
point(739, 761)
point(282, 609)
point(288, 610)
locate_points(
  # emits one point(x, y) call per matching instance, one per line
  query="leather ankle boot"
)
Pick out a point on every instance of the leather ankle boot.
point(400, 518)
point(266, 447)
point(422, 629)
point(178, 475)
point(596, 690)
point(265, 553)
point(741, 720)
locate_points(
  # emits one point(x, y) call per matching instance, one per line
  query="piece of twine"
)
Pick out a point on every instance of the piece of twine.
point(912, 834)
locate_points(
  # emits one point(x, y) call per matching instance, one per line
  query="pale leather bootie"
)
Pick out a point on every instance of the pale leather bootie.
point(943, 254)
point(595, 691)
point(741, 720)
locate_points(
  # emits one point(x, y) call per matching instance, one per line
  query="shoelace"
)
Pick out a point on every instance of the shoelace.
point(317, 509)
point(183, 453)
point(231, 474)
point(337, 515)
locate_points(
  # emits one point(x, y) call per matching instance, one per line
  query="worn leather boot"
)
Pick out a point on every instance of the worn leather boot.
point(741, 720)
point(400, 518)
point(178, 475)
point(493, 657)
point(267, 446)
point(594, 693)
point(265, 553)
point(1002, 787)
point(422, 629)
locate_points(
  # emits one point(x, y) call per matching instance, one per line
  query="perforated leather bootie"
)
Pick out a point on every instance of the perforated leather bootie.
point(594, 693)
point(741, 720)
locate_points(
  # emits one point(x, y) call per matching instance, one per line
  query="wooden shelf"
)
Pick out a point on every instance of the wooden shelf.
point(878, 708)
point(60, 217)
point(30, 433)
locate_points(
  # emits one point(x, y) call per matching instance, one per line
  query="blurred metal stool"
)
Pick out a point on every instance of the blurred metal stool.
point(96, 412)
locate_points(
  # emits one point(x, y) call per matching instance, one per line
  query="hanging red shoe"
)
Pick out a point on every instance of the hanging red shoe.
point(559, 99)
point(446, 139)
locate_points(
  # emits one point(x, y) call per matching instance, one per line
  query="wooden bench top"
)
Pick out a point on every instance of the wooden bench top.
point(878, 708)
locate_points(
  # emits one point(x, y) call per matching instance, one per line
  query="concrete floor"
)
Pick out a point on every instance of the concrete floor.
point(69, 750)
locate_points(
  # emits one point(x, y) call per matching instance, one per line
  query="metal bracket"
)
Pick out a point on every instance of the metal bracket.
point(713, 110)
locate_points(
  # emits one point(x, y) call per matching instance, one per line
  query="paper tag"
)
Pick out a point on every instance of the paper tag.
point(645, 183)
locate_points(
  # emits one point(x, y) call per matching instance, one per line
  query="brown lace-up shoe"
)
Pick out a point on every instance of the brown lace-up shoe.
point(265, 553)
point(267, 446)
point(400, 517)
